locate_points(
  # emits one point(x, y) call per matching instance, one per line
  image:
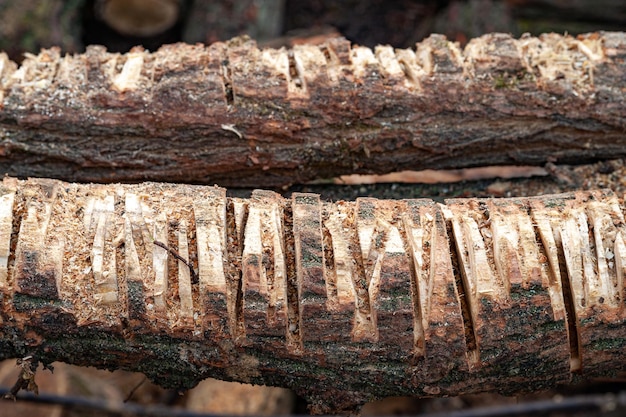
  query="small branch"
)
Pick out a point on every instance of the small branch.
point(194, 275)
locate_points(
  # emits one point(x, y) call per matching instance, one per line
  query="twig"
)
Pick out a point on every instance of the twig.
point(135, 388)
point(232, 128)
point(194, 275)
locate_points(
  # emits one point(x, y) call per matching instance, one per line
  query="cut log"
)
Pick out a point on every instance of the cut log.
point(344, 302)
point(239, 116)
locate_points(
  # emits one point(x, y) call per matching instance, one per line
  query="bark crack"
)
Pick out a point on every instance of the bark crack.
point(465, 297)
point(294, 323)
point(234, 274)
point(570, 308)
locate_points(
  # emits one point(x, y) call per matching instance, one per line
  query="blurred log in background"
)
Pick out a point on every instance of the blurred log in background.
point(28, 25)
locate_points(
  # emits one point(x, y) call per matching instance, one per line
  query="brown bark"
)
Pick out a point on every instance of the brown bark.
point(236, 115)
point(343, 302)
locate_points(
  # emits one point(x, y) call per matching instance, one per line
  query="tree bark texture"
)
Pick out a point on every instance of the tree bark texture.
point(343, 302)
point(239, 116)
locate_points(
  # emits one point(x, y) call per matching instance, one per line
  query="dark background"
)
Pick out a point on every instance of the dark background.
point(29, 25)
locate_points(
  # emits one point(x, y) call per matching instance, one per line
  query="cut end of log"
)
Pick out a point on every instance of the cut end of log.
point(429, 298)
point(139, 17)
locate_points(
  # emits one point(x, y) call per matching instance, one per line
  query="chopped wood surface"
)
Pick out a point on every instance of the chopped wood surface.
point(236, 115)
point(344, 302)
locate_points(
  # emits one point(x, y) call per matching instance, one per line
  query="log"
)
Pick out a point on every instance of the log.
point(236, 115)
point(343, 302)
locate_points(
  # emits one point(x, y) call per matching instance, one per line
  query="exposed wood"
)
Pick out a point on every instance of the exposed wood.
point(235, 115)
point(343, 302)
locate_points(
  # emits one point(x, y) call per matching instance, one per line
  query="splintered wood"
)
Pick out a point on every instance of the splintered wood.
point(422, 297)
point(232, 113)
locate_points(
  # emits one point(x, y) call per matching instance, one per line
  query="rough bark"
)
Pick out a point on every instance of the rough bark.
point(343, 302)
point(236, 115)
